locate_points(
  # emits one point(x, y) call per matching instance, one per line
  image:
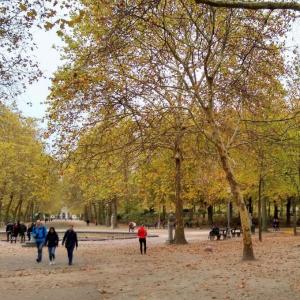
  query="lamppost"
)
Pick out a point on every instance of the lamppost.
point(228, 233)
point(171, 222)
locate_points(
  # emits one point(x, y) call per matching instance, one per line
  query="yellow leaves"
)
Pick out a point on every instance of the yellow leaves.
point(23, 7)
point(48, 25)
point(32, 14)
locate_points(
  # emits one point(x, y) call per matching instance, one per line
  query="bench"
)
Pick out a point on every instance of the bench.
point(151, 225)
point(221, 232)
point(236, 232)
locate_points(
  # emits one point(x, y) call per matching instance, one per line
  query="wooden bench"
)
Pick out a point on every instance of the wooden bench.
point(236, 232)
point(223, 232)
point(151, 225)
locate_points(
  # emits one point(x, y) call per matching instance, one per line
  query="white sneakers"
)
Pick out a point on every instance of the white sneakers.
point(52, 262)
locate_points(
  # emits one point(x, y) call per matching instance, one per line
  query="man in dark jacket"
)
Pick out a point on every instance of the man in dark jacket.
point(15, 232)
point(30, 230)
point(22, 231)
point(9, 230)
point(70, 241)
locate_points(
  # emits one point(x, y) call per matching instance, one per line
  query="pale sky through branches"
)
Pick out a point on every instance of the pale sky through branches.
point(49, 60)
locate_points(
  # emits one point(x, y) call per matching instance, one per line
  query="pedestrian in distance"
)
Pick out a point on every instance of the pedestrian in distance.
point(22, 231)
point(52, 242)
point(39, 233)
point(9, 230)
point(70, 241)
point(15, 232)
point(131, 226)
point(142, 234)
point(29, 231)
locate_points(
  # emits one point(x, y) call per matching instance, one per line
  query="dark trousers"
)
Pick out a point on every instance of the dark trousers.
point(142, 241)
point(70, 251)
point(8, 235)
point(22, 236)
point(39, 246)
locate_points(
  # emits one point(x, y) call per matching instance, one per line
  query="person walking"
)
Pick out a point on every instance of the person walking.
point(22, 231)
point(70, 241)
point(29, 231)
point(39, 233)
point(15, 232)
point(52, 242)
point(9, 230)
point(142, 234)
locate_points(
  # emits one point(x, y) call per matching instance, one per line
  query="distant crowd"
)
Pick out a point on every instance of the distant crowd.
point(15, 230)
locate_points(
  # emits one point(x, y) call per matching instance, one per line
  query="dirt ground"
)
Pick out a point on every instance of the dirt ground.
point(116, 270)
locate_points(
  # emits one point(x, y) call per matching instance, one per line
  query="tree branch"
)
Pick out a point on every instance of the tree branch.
point(293, 5)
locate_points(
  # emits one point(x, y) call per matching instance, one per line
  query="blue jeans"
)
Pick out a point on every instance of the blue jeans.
point(51, 251)
point(39, 246)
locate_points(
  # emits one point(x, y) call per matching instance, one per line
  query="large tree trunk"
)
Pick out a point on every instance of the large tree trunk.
point(101, 212)
point(7, 211)
point(288, 211)
point(294, 204)
point(19, 213)
point(179, 230)
point(264, 213)
point(260, 183)
point(108, 214)
point(94, 204)
point(250, 4)
point(210, 215)
point(15, 213)
point(248, 253)
point(275, 210)
point(114, 214)
point(250, 205)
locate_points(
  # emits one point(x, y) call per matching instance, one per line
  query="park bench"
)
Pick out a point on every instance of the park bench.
point(220, 232)
point(236, 232)
point(151, 225)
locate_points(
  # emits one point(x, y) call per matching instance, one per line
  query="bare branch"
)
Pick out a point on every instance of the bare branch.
point(292, 5)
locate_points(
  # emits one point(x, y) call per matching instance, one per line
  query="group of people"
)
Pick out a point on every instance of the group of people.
point(50, 239)
point(43, 237)
point(13, 230)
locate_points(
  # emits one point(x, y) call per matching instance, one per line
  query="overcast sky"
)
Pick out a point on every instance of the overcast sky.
point(49, 60)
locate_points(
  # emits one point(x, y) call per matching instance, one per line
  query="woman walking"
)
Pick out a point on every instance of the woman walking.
point(52, 242)
point(142, 233)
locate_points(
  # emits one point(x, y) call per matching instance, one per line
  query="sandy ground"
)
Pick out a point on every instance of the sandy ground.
point(116, 270)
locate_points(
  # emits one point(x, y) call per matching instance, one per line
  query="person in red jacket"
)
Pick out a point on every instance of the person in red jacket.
point(142, 234)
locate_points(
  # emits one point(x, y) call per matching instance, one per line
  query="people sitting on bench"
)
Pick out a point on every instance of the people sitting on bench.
point(215, 231)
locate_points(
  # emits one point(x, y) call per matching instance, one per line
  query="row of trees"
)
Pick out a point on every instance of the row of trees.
point(29, 178)
point(157, 97)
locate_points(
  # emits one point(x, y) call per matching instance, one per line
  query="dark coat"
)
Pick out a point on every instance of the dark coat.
point(52, 239)
point(70, 239)
point(22, 229)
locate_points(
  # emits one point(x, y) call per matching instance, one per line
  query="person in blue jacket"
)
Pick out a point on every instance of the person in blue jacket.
point(39, 233)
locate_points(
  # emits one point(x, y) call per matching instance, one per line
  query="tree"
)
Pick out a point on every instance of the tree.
point(254, 5)
point(28, 176)
point(17, 22)
point(210, 65)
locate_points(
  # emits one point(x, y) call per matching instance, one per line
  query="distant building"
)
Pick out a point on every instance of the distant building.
point(64, 214)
